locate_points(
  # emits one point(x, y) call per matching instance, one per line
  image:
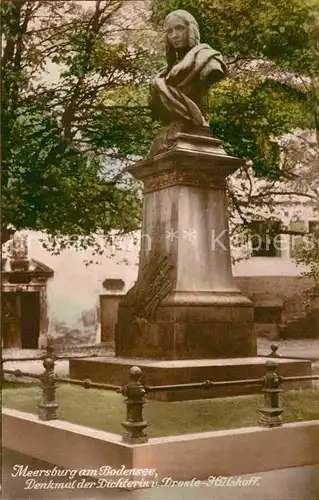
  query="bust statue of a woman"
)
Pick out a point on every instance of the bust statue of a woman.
point(179, 92)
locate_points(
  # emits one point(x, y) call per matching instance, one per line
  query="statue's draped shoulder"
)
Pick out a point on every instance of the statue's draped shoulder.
point(180, 92)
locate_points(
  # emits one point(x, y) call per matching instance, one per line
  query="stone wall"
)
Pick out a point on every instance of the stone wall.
point(73, 292)
point(286, 290)
point(280, 306)
point(217, 453)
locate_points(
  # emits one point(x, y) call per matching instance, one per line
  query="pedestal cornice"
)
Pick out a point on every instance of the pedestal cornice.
point(192, 160)
point(210, 299)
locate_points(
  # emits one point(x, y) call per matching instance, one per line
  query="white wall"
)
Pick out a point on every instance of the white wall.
point(267, 266)
point(75, 287)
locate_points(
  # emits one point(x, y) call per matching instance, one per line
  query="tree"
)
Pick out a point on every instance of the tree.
point(308, 255)
point(270, 48)
point(59, 133)
point(304, 150)
point(98, 105)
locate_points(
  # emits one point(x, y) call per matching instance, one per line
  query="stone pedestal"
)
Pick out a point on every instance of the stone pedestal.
point(185, 304)
point(155, 372)
point(185, 320)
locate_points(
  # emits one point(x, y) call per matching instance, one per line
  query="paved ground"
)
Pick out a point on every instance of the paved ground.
point(36, 367)
point(298, 348)
point(300, 483)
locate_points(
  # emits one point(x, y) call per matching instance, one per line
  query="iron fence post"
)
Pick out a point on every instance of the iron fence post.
point(271, 413)
point(49, 405)
point(274, 348)
point(134, 424)
point(50, 351)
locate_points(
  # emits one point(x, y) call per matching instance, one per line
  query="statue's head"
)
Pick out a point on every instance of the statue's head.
point(181, 32)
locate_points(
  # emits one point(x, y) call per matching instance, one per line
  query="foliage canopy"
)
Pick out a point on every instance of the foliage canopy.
point(75, 86)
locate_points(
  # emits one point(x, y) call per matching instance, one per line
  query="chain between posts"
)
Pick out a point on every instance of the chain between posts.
point(135, 392)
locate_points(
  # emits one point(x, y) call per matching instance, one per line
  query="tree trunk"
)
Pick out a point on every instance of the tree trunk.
point(6, 234)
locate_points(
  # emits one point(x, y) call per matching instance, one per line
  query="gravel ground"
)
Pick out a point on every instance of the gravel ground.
point(299, 348)
point(308, 348)
point(61, 366)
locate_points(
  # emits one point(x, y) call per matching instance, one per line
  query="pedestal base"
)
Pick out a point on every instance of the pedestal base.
point(116, 371)
point(216, 326)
